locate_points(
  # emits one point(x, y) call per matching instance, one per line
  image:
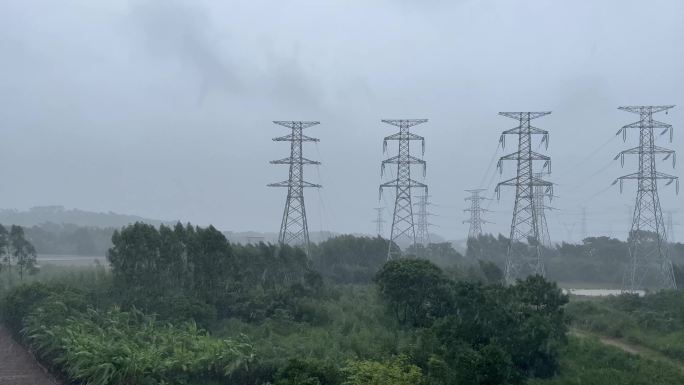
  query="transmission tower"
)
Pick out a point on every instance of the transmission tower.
point(402, 218)
point(422, 223)
point(293, 228)
point(540, 193)
point(584, 222)
point(524, 254)
point(476, 211)
point(649, 256)
point(670, 226)
point(379, 222)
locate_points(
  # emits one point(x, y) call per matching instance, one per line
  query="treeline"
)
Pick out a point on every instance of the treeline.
point(406, 322)
point(157, 269)
point(600, 260)
point(70, 239)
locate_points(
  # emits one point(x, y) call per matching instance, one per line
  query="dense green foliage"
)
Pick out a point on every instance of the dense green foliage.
point(163, 270)
point(350, 259)
point(416, 291)
point(495, 335)
point(397, 371)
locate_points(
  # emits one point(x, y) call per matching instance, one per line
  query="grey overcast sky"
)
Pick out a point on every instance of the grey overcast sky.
point(163, 108)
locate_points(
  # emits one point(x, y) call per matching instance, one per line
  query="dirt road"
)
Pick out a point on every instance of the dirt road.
point(17, 366)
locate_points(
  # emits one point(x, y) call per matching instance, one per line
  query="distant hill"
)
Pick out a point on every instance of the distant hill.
point(60, 215)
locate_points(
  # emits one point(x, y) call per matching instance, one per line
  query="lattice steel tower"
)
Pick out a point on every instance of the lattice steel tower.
point(476, 211)
point(402, 219)
point(294, 229)
point(524, 254)
point(379, 222)
point(422, 222)
point(650, 263)
point(540, 195)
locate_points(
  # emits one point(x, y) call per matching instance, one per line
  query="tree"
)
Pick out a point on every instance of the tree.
point(415, 290)
point(442, 254)
point(350, 259)
point(22, 251)
point(4, 251)
point(394, 372)
point(541, 326)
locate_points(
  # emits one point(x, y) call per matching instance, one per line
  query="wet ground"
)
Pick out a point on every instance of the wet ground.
point(17, 366)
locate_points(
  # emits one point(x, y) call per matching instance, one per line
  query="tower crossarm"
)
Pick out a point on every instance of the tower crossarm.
point(476, 198)
point(524, 115)
point(652, 123)
point(290, 160)
point(641, 109)
point(396, 160)
point(649, 124)
point(524, 130)
point(411, 183)
point(404, 122)
point(288, 183)
point(655, 150)
point(292, 138)
point(405, 136)
point(531, 156)
point(411, 160)
point(296, 124)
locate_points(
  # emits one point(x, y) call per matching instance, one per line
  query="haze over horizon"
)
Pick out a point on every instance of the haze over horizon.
point(163, 108)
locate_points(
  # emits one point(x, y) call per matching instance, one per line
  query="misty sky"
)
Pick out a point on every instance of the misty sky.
point(163, 108)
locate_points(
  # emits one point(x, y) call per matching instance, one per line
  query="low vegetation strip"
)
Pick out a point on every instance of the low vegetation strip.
point(113, 347)
point(654, 322)
point(587, 361)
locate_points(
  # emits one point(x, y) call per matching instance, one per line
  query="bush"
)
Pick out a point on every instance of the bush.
point(19, 302)
point(393, 372)
point(302, 372)
point(22, 300)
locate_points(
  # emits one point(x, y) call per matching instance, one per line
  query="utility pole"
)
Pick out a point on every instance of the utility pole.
point(402, 218)
point(294, 229)
point(539, 194)
point(379, 222)
point(422, 223)
point(648, 251)
point(476, 211)
point(524, 254)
